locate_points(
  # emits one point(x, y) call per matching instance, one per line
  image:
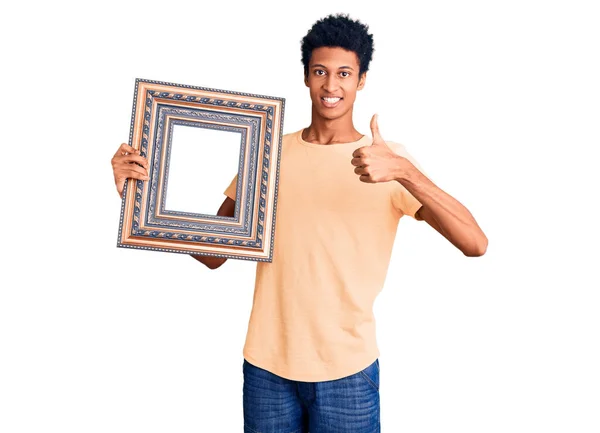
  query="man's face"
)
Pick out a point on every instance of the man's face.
point(333, 79)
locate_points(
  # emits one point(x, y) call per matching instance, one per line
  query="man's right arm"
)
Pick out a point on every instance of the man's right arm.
point(226, 209)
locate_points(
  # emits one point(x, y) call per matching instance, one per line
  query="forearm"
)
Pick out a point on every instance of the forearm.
point(226, 209)
point(454, 220)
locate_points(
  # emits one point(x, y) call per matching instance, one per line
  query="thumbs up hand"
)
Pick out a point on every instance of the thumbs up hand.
point(377, 162)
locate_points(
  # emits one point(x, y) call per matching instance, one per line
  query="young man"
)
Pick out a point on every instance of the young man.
point(311, 358)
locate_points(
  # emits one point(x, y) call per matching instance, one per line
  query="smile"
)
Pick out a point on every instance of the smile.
point(330, 102)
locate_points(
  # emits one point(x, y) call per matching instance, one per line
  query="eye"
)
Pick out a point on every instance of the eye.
point(318, 72)
point(345, 74)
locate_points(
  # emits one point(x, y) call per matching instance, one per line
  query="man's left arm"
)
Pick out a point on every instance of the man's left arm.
point(441, 211)
point(379, 163)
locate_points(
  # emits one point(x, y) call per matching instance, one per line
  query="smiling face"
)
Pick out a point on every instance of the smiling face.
point(333, 80)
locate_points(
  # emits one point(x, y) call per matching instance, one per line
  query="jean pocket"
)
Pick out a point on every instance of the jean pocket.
point(371, 375)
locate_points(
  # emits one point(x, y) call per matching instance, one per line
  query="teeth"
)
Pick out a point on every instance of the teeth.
point(331, 100)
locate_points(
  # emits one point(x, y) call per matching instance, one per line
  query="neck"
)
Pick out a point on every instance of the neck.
point(330, 131)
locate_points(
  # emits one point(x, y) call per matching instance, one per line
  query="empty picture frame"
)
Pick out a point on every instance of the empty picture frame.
point(199, 141)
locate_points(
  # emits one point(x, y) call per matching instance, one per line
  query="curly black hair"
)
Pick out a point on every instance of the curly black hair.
point(339, 30)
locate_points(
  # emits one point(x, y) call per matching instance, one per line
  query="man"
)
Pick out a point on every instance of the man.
point(310, 357)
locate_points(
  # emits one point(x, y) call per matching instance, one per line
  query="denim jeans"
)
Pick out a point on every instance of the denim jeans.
point(273, 404)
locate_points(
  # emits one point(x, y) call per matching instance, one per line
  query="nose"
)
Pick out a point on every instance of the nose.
point(330, 84)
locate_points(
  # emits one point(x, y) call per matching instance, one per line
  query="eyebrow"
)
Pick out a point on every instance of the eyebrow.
point(323, 66)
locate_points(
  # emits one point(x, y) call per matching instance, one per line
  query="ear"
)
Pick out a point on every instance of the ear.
point(362, 80)
point(306, 80)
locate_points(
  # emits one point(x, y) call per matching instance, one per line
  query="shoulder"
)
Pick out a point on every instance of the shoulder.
point(290, 137)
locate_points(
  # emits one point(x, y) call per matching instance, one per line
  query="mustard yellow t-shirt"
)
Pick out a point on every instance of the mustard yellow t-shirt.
point(312, 313)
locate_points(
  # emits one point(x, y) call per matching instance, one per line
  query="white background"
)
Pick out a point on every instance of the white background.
point(498, 101)
point(194, 184)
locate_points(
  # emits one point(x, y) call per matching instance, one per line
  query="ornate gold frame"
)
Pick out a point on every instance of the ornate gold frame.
point(144, 222)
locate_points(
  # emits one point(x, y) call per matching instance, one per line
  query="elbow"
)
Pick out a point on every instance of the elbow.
point(478, 248)
point(215, 263)
point(209, 262)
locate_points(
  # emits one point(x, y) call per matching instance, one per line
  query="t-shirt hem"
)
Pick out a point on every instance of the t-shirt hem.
point(313, 378)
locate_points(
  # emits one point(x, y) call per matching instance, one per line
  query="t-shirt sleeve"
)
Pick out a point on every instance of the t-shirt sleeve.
point(403, 200)
point(230, 191)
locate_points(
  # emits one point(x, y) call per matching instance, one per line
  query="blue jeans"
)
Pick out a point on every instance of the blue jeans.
point(273, 404)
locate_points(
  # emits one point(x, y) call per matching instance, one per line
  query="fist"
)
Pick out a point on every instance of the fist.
point(128, 164)
point(377, 162)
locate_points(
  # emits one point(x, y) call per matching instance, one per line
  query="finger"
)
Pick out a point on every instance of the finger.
point(366, 178)
point(124, 148)
point(130, 159)
point(360, 170)
point(120, 166)
point(123, 170)
point(131, 174)
point(359, 152)
point(361, 162)
point(377, 138)
point(127, 159)
point(358, 161)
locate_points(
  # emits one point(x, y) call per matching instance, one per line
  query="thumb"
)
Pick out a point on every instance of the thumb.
point(377, 138)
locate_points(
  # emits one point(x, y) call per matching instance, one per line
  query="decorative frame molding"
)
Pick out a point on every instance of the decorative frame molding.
point(144, 222)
